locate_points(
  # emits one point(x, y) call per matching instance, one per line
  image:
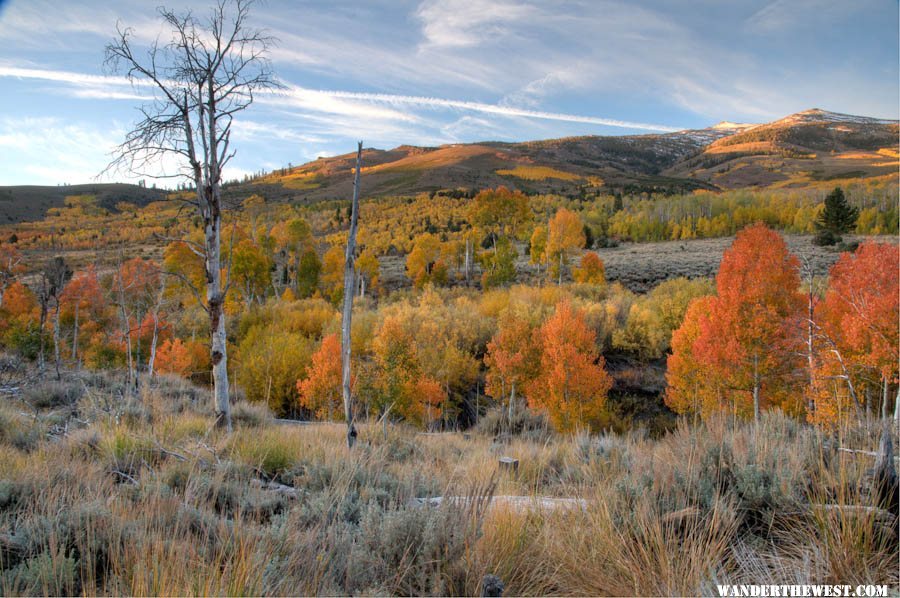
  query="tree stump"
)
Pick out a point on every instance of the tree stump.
point(508, 464)
point(491, 585)
point(887, 491)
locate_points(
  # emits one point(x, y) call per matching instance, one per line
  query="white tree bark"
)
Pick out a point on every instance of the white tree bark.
point(201, 79)
point(153, 343)
point(349, 271)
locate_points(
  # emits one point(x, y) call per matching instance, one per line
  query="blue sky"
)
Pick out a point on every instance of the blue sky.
point(428, 72)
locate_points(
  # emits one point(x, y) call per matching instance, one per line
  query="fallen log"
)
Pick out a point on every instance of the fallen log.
point(275, 487)
point(515, 503)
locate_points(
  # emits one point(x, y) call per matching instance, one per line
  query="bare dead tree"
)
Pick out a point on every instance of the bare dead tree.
point(201, 79)
point(349, 271)
point(51, 283)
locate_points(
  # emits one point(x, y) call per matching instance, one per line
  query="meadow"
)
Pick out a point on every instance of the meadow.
point(100, 495)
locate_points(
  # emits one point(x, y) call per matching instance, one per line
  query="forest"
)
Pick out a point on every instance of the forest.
point(458, 333)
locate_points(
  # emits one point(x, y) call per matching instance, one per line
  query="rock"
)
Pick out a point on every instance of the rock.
point(491, 585)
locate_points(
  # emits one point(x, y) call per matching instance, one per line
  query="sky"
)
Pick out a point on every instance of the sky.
point(431, 72)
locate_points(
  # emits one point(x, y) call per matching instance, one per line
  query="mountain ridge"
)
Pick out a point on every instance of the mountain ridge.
point(808, 148)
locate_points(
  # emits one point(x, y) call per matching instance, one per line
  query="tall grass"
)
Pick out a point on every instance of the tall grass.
point(149, 498)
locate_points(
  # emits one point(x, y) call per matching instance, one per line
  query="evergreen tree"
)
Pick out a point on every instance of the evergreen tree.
point(837, 218)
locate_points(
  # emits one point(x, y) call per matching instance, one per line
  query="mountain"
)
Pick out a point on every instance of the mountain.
point(22, 203)
point(799, 150)
point(810, 148)
point(556, 165)
point(802, 149)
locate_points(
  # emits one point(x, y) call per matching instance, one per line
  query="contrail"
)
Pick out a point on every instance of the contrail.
point(380, 98)
point(477, 107)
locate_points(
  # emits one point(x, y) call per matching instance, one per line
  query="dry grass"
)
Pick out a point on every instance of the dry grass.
point(538, 173)
point(149, 498)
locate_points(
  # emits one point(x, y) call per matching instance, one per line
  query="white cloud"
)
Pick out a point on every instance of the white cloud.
point(349, 103)
point(453, 23)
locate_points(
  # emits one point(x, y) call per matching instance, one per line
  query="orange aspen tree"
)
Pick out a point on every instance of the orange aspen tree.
point(691, 388)
point(320, 391)
point(511, 359)
point(591, 270)
point(859, 321)
point(566, 236)
point(750, 341)
point(573, 383)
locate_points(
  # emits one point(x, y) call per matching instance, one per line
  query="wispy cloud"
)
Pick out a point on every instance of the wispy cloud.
point(334, 100)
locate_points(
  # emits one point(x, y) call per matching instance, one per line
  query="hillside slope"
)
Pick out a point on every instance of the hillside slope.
point(557, 165)
point(807, 148)
point(27, 203)
point(810, 148)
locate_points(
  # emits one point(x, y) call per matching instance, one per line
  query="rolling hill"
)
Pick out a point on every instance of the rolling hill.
point(802, 149)
point(24, 203)
point(810, 148)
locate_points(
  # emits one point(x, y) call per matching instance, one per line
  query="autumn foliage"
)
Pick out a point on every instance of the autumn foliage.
point(572, 384)
point(859, 326)
point(747, 345)
point(320, 391)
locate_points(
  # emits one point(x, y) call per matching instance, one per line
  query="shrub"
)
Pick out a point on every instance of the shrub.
point(54, 394)
point(529, 424)
point(826, 238)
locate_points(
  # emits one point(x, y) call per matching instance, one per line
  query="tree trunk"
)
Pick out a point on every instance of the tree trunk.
point(884, 397)
point(467, 259)
point(560, 269)
point(43, 321)
point(897, 405)
point(215, 304)
point(349, 271)
point(153, 343)
point(75, 335)
point(811, 405)
point(512, 403)
point(755, 388)
point(56, 338)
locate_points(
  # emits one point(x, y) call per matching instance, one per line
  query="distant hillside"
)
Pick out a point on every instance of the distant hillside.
point(802, 149)
point(814, 147)
point(557, 165)
point(24, 203)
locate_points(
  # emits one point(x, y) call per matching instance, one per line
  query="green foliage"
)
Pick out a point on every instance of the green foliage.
point(498, 265)
point(837, 217)
point(268, 363)
point(308, 269)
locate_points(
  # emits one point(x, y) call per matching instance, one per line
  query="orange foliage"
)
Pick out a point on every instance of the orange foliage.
point(591, 270)
point(689, 387)
point(511, 358)
point(320, 391)
point(748, 344)
point(174, 357)
point(860, 324)
point(19, 302)
point(573, 384)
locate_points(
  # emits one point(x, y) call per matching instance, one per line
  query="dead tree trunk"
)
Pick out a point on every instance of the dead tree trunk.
point(200, 81)
point(56, 339)
point(349, 271)
point(887, 490)
point(151, 361)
